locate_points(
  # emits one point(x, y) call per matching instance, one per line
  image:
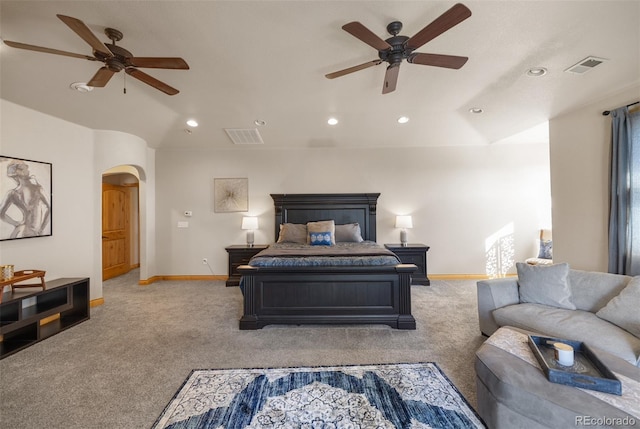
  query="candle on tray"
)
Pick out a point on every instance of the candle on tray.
point(563, 353)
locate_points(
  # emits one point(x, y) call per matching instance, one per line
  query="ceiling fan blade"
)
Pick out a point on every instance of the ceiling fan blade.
point(358, 30)
point(444, 22)
point(152, 81)
point(352, 69)
point(159, 63)
point(47, 50)
point(391, 78)
point(436, 60)
point(81, 29)
point(101, 78)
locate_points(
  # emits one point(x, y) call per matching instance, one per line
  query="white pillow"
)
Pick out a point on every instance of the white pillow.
point(623, 309)
point(545, 284)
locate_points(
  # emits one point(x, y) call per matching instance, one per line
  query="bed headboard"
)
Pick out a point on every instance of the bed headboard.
point(342, 208)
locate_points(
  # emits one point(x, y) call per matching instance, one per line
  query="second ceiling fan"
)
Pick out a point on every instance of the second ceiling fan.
point(398, 48)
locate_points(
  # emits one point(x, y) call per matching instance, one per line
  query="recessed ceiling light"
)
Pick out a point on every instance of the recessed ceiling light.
point(536, 71)
point(260, 122)
point(403, 120)
point(81, 87)
point(192, 123)
point(332, 121)
point(476, 110)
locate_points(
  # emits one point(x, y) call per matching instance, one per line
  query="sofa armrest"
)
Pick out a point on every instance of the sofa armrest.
point(492, 294)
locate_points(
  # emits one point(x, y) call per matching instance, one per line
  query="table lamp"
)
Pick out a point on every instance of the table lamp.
point(249, 223)
point(403, 222)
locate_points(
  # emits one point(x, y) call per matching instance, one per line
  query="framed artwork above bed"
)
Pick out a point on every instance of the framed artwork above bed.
point(230, 195)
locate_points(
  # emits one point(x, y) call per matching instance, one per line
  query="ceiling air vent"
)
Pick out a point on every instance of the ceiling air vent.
point(585, 65)
point(244, 135)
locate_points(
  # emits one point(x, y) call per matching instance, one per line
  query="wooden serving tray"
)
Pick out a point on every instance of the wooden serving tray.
point(587, 372)
point(20, 276)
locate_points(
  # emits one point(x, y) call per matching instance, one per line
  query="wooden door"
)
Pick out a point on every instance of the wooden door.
point(115, 230)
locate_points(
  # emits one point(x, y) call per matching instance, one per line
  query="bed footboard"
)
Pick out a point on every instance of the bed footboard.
point(327, 295)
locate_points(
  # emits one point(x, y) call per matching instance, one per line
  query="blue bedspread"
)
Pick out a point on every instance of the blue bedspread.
point(366, 253)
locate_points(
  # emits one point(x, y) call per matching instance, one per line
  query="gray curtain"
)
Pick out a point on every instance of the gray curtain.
point(624, 210)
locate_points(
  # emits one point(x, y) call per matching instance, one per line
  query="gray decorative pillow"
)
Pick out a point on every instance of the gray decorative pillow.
point(545, 284)
point(546, 249)
point(622, 310)
point(325, 227)
point(349, 232)
point(293, 233)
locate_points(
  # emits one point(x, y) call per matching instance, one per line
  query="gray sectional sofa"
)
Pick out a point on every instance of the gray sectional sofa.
point(600, 309)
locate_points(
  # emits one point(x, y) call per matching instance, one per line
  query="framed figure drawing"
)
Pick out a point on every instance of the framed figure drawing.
point(230, 195)
point(25, 198)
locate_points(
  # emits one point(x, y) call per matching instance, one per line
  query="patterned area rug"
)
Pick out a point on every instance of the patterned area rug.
point(417, 395)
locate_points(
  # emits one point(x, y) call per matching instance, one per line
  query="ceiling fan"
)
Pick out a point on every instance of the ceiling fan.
point(398, 48)
point(115, 58)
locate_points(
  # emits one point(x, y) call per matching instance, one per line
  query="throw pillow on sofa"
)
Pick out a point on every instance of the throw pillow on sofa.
point(623, 309)
point(545, 284)
point(546, 249)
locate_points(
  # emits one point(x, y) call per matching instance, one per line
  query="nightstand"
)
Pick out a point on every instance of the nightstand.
point(413, 254)
point(239, 254)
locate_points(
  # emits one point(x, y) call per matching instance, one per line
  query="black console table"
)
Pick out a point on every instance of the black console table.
point(413, 254)
point(66, 301)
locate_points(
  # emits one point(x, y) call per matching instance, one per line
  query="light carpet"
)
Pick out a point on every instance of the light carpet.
point(411, 395)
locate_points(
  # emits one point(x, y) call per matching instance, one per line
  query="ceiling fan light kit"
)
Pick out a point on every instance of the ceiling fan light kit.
point(398, 48)
point(115, 58)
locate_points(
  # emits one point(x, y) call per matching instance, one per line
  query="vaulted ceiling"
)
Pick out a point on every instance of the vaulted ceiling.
point(267, 60)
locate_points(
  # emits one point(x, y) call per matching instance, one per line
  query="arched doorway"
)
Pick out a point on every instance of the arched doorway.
point(120, 222)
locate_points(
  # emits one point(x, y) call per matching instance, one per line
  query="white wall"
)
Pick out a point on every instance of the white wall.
point(580, 144)
point(70, 251)
point(115, 149)
point(459, 198)
point(79, 156)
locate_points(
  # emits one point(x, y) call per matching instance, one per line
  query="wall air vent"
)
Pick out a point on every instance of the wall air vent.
point(585, 65)
point(244, 135)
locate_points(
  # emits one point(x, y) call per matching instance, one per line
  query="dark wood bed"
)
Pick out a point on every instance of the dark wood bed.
point(327, 295)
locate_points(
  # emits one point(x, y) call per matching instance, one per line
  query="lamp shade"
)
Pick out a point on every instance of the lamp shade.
point(404, 222)
point(249, 222)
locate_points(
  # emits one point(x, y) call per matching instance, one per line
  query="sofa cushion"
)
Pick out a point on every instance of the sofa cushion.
point(590, 291)
point(571, 325)
point(623, 309)
point(513, 393)
point(545, 284)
